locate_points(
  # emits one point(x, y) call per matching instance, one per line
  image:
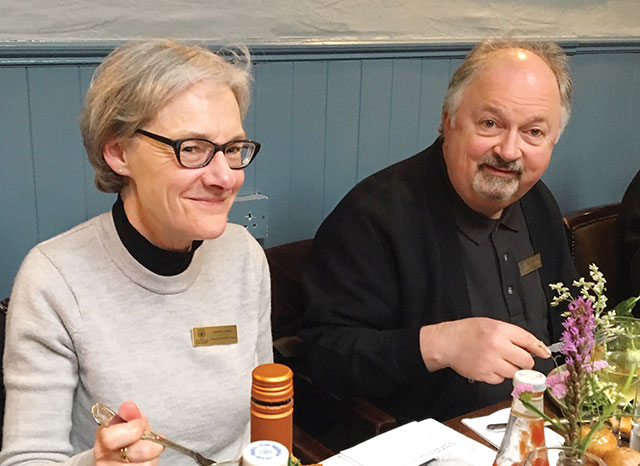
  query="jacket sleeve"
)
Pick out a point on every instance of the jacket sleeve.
point(356, 339)
point(629, 238)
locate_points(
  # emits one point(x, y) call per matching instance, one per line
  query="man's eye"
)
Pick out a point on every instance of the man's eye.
point(489, 123)
point(535, 132)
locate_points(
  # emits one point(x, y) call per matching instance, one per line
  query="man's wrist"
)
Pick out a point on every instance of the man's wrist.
point(431, 347)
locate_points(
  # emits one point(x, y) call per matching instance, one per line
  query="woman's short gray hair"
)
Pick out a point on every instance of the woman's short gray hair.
point(137, 79)
point(550, 52)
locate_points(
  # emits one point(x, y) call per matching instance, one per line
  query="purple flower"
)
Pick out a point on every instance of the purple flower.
point(521, 388)
point(578, 332)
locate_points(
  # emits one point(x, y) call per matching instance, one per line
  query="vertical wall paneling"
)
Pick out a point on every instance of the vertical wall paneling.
point(18, 215)
point(341, 141)
point(375, 116)
point(274, 97)
point(308, 147)
point(57, 149)
point(325, 122)
point(96, 201)
point(435, 78)
point(405, 108)
point(600, 145)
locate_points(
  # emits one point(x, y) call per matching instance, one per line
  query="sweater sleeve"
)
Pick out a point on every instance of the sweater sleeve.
point(356, 339)
point(264, 344)
point(40, 369)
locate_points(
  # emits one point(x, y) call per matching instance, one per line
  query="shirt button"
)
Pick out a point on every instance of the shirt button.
point(506, 257)
point(471, 381)
point(510, 290)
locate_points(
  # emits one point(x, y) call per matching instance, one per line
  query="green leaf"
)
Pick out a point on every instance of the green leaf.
point(625, 307)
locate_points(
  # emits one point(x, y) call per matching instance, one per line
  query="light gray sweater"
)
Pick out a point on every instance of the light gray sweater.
point(87, 323)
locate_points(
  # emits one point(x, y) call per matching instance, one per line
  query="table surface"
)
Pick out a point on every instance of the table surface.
point(457, 425)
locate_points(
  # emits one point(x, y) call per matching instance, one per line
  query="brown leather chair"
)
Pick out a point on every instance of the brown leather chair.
point(335, 421)
point(592, 239)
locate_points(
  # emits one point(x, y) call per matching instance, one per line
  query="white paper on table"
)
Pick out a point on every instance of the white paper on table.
point(414, 444)
point(479, 426)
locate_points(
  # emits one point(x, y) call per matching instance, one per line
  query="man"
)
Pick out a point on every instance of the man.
point(628, 241)
point(427, 286)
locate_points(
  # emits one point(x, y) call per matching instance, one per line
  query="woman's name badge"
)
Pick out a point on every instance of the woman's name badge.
point(212, 336)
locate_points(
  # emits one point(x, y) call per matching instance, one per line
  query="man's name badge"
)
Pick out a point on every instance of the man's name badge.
point(530, 264)
point(212, 336)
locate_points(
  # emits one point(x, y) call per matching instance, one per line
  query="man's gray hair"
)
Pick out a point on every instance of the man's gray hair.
point(550, 52)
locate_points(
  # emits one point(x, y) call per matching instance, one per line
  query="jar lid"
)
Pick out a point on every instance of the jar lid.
point(534, 378)
point(265, 453)
point(272, 382)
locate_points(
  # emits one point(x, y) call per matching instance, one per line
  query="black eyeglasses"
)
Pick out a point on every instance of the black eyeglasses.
point(197, 152)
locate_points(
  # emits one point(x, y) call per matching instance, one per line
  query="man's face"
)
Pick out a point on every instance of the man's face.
point(499, 143)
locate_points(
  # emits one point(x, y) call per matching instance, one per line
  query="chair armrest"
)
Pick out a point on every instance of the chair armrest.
point(307, 449)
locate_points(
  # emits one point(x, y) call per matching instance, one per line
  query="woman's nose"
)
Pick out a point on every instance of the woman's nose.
point(218, 171)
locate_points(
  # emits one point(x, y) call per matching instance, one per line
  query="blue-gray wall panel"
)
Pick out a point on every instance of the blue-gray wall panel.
point(60, 176)
point(375, 116)
point(405, 109)
point(343, 114)
point(435, 77)
point(18, 214)
point(308, 149)
point(324, 124)
point(274, 97)
point(599, 153)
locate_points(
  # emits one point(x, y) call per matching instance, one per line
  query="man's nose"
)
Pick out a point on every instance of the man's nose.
point(508, 147)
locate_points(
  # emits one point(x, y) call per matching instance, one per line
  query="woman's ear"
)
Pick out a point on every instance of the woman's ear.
point(113, 153)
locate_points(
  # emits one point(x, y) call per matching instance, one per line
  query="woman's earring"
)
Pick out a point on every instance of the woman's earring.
point(119, 170)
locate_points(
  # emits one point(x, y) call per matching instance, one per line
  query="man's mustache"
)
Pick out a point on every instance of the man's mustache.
point(495, 161)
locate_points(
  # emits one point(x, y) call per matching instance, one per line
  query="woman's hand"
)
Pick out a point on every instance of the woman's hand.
point(120, 443)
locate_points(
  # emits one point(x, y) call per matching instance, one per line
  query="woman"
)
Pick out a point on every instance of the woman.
point(159, 301)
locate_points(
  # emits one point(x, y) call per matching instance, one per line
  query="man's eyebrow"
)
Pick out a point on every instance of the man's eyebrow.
point(498, 112)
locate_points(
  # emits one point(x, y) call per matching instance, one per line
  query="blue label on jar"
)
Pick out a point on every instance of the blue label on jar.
point(266, 450)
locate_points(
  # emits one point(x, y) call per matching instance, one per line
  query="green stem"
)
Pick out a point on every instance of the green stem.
point(554, 422)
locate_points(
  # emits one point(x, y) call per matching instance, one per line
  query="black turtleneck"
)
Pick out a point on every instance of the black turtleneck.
point(158, 260)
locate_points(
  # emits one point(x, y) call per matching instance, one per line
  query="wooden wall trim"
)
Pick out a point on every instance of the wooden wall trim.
point(91, 53)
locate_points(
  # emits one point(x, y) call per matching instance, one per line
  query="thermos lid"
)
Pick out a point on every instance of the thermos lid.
point(272, 383)
point(534, 378)
point(265, 453)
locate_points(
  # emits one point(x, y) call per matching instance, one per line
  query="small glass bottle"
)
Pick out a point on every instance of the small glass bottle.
point(525, 429)
point(272, 404)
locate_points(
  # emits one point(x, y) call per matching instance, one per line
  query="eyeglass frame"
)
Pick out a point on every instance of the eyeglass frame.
point(176, 143)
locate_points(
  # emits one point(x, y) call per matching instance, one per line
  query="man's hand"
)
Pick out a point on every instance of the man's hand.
point(480, 348)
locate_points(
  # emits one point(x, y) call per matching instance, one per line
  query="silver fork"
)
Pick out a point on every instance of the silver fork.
point(106, 417)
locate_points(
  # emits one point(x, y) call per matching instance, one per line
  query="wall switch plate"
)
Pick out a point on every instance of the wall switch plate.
point(252, 211)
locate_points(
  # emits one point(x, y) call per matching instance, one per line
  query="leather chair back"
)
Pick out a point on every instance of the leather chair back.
point(592, 239)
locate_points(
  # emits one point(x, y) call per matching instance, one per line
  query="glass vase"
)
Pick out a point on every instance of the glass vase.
point(559, 456)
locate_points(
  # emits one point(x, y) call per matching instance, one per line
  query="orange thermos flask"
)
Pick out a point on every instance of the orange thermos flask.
point(272, 404)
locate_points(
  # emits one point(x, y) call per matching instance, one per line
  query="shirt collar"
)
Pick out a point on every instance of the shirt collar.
point(158, 260)
point(477, 227)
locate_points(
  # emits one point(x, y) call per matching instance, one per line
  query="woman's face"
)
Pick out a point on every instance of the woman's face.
point(170, 205)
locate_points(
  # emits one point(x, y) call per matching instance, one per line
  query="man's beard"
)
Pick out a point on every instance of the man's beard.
point(497, 187)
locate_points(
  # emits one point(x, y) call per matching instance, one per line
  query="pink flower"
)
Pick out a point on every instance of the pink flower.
point(522, 388)
point(596, 366)
point(557, 384)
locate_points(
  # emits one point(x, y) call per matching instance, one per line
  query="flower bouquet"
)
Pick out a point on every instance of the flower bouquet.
point(587, 398)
